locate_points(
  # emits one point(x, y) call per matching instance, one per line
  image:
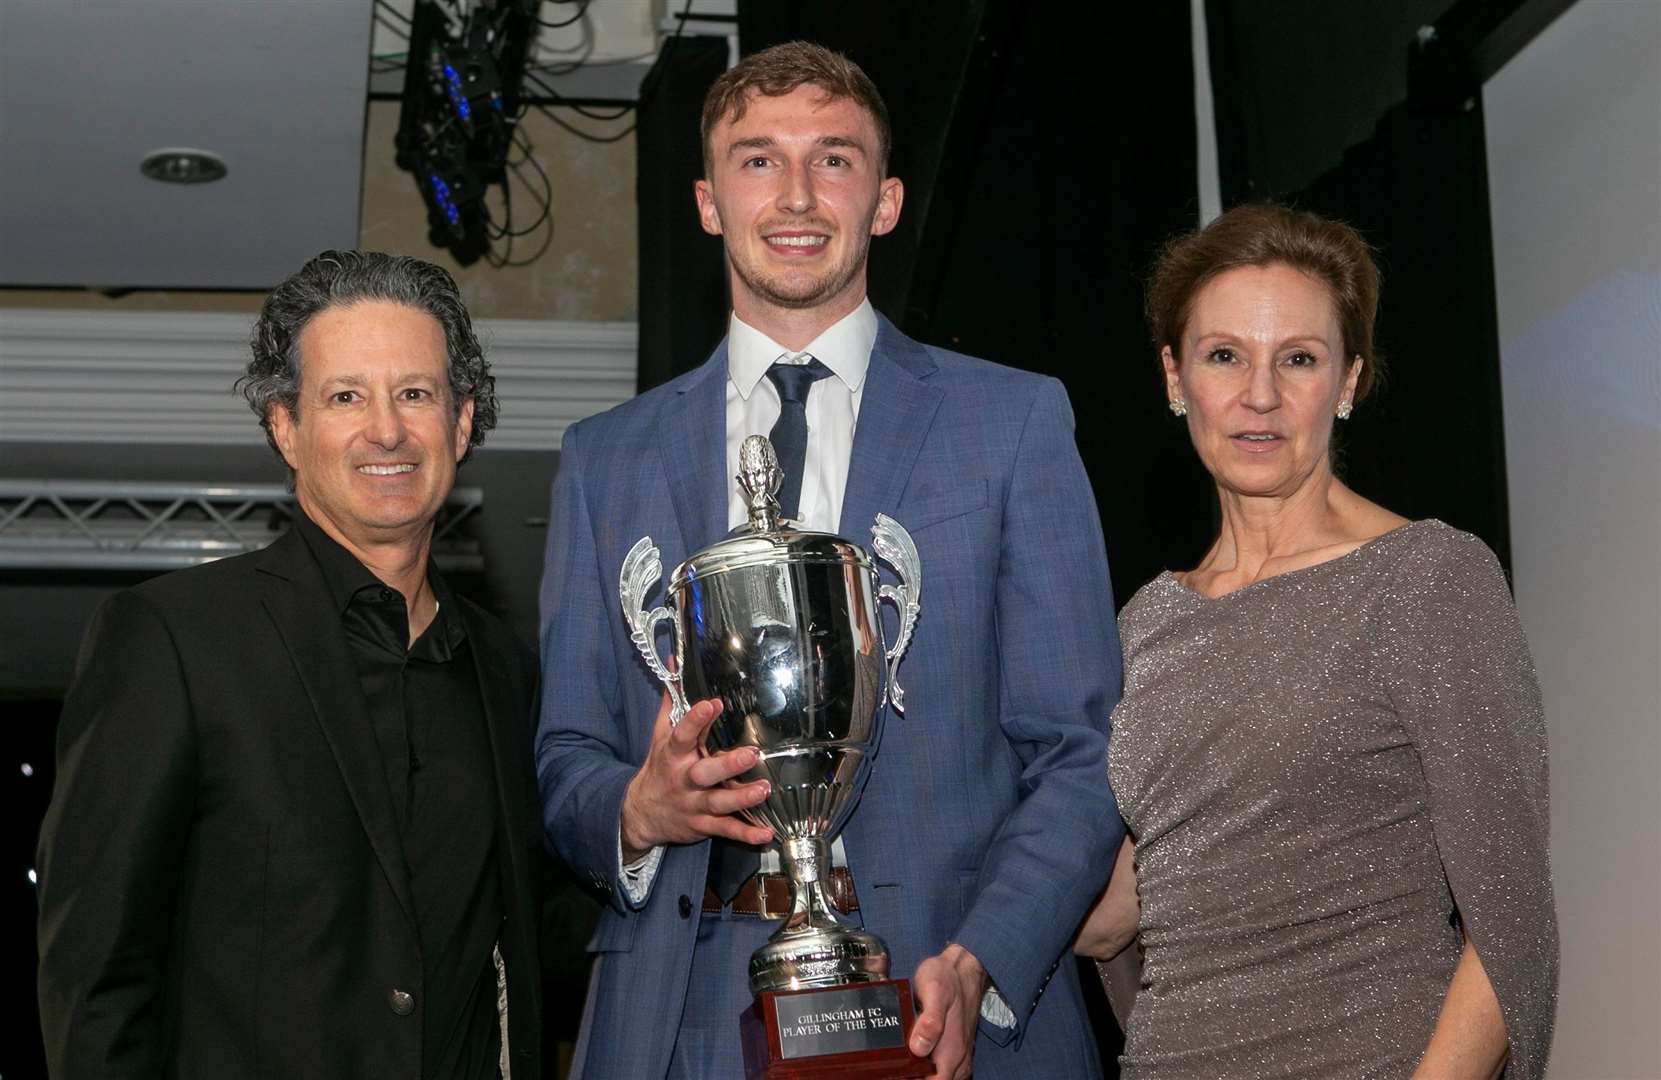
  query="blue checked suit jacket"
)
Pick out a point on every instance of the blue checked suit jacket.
point(987, 819)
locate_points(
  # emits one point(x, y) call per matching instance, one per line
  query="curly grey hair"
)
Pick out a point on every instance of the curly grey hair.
point(337, 278)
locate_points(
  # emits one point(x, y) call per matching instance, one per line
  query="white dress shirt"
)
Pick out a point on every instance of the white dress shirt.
point(832, 408)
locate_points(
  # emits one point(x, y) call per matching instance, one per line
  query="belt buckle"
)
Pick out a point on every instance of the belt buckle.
point(762, 911)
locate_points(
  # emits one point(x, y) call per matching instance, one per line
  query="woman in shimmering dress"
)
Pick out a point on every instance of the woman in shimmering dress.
point(1330, 751)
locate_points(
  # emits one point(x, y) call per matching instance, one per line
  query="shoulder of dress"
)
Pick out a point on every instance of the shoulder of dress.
point(1151, 607)
point(1144, 597)
point(1434, 549)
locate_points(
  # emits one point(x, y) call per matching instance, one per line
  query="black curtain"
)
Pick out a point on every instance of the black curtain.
point(1432, 443)
point(683, 285)
point(1078, 165)
point(1298, 82)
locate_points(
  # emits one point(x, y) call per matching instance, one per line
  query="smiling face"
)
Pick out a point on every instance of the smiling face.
point(1262, 371)
point(796, 191)
point(375, 440)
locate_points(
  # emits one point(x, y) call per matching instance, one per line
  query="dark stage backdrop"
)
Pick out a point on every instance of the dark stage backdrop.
point(683, 285)
point(1053, 197)
point(1432, 444)
point(1297, 82)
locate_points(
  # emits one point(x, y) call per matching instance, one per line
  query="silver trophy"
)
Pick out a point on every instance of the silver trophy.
point(782, 626)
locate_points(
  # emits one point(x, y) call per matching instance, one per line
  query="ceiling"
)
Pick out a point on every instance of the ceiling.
point(278, 89)
point(89, 87)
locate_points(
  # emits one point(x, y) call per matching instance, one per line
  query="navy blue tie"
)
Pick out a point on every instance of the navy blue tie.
point(789, 435)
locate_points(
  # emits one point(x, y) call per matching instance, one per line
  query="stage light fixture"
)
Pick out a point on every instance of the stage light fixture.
point(459, 110)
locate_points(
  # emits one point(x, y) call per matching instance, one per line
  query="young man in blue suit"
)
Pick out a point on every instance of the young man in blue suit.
point(986, 827)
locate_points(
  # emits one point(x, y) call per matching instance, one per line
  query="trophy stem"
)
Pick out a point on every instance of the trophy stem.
point(816, 946)
point(807, 862)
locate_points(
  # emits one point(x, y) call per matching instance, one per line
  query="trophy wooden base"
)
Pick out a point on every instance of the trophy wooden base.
point(858, 1029)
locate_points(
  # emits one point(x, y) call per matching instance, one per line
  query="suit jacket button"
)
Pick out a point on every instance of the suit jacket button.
point(686, 906)
point(401, 1002)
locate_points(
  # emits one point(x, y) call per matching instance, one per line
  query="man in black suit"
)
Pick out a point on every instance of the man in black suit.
point(295, 831)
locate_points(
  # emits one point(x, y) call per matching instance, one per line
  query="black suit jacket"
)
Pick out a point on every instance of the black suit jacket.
point(223, 892)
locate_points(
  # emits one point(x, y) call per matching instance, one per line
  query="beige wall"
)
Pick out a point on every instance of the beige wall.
point(588, 272)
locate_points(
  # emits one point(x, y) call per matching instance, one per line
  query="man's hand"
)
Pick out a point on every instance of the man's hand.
point(949, 988)
point(678, 796)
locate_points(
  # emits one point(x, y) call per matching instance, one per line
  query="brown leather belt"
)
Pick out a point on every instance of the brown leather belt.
point(768, 895)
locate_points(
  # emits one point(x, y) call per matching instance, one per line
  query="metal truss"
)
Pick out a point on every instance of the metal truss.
point(97, 525)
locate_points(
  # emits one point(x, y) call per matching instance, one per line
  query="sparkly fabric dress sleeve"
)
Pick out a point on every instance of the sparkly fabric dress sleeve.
point(1328, 773)
point(1452, 656)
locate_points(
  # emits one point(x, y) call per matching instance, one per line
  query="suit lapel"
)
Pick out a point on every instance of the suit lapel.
point(298, 602)
point(694, 450)
point(895, 411)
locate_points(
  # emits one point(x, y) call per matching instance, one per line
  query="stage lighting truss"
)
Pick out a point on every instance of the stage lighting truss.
point(94, 525)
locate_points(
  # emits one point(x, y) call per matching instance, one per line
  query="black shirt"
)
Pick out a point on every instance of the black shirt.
point(423, 701)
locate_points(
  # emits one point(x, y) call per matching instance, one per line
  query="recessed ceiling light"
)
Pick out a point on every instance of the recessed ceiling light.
point(176, 165)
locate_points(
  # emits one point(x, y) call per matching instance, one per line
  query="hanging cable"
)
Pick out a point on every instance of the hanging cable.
point(559, 100)
point(586, 135)
point(582, 9)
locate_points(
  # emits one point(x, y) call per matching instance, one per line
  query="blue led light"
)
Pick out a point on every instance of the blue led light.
point(442, 191)
point(453, 82)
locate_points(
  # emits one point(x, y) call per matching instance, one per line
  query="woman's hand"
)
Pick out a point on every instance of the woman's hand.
point(1111, 924)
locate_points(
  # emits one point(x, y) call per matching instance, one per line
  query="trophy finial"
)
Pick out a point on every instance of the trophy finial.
point(759, 476)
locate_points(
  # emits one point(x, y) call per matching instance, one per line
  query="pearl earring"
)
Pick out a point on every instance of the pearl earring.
point(1178, 408)
point(1344, 410)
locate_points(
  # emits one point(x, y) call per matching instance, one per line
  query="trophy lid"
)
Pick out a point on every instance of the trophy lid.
point(766, 537)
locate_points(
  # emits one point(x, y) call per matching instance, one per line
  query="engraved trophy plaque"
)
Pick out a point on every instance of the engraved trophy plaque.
point(782, 626)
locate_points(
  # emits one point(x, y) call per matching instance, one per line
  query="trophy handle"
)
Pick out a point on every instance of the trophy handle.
point(895, 547)
point(641, 569)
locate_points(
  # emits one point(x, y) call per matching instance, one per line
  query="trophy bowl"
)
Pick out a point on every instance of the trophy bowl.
point(782, 626)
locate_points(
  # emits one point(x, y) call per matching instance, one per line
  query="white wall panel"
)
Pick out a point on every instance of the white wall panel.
point(166, 377)
point(1574, 166)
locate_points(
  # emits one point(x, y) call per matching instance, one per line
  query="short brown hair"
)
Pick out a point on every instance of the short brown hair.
point(776, 71)
point(1263, 234)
